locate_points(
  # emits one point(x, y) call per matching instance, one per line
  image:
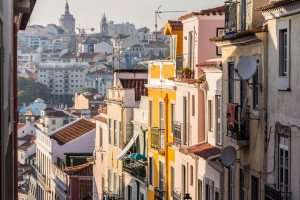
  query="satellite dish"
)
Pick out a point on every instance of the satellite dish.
point(247, 67)
point(228, 156)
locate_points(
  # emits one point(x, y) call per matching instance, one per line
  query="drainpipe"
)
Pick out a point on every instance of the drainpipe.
point(166, 101)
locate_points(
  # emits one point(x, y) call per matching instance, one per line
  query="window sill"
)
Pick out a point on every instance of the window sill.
point(285, 90)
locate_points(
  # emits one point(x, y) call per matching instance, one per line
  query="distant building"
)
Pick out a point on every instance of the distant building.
point(67, 21)
point(63, 79)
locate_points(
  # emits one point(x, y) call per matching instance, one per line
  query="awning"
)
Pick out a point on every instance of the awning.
point(128, 146)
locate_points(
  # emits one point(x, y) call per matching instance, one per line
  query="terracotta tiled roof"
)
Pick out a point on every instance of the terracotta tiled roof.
point(212, 11)
point(85, 169)
point(176, 25)
point(137, 84)
point(204, 150)
point(50, 112)
point(276, 4)
point(73, 131)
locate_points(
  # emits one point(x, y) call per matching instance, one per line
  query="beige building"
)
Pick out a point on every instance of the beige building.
point(244, 98)
point(116, 133)
point(283, 164)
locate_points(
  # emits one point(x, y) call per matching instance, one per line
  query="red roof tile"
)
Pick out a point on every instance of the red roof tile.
point(204, 150)
point(212, 11)
point(73, 131)
point(276, 4)
point(176, 25)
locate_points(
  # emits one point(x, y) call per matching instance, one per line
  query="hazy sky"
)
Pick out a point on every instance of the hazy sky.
point(89, 12)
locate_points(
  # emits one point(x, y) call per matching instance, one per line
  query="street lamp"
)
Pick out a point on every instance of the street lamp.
point(187, 197)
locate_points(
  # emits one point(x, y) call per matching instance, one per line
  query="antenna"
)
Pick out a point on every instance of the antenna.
point(247, 67)
point(228, 156)
point(157, 14)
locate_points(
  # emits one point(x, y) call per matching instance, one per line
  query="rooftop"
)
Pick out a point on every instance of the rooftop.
point(211, 11)
point(204, 150)
point(73, 131)
point(275, 4)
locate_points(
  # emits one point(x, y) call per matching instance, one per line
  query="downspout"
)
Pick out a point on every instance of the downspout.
point(166, 101)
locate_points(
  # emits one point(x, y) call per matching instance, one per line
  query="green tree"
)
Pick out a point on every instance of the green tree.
point(29, 90)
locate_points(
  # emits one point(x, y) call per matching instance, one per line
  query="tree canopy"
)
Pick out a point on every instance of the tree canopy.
point(29, 90)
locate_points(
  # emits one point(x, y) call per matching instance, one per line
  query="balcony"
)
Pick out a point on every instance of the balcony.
point(42, 180)
point(271, 193)
point(136, 168)
point(158, 138)
point(238, 124)
point(177, 133)
point(230, 17)
point(185, 74)
point(159, 193)
point(111, 196)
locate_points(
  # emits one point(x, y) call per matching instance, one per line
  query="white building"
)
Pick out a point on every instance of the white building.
point(52, 149)
point(282, 159)
point(63, 79)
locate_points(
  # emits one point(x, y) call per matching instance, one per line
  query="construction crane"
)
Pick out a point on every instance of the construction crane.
point(158, 13)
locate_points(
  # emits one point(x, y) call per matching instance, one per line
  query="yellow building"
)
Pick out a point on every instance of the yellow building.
point(162, 96)
point(174, 29)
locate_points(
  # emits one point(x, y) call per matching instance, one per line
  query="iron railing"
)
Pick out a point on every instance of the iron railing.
point(135, 168)
point(271, 193)
point(230, 17)
point(158, 138)
point(240, 130)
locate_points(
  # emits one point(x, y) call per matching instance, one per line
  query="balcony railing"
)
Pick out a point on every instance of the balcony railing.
point(136, 168)
point(271, 193)
point(184, 74)
point(177, 133)
point(157, 138)
point(230, 17)
point(107, 195)
point(238, 124)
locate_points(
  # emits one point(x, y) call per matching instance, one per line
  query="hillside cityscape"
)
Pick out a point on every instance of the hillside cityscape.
point(202, 107)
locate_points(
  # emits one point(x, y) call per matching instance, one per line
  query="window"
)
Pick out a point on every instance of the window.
point(109, 131)
point(161, 176)
point(193, 105)
point(183, 179)
point(115, 132)
point(283, 53)
point(161, 115)
point(207, 191)
point(150, 113)
point(190, 49)
point(199, 189)
point(142, 197)
point(172, 180)
point(283, 165)
point(231, 82)
point(100, 137)
point(53, 121)
point(172, 116)
point(218, 119)
point(150, 170)
point(109, 179)
point(120, 132)
point(210, 116)
point(242, 185)
point(255, 90)
point(185, 127)
point(115, 183)
point(254, 188)
point(230, 183)
point(217, 195)
point(129, 192)
point(191, 175)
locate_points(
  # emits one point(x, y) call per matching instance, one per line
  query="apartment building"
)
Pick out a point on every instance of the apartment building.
point(244, 99)
point(62, 78)
point(196, 38)
point(161, 96)
point(59, 159)
point(282, 179)
point(122, 98)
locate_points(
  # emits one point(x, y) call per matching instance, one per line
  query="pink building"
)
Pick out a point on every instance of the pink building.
point(198, 29)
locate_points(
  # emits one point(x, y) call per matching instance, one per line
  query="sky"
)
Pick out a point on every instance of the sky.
point(140, 12)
